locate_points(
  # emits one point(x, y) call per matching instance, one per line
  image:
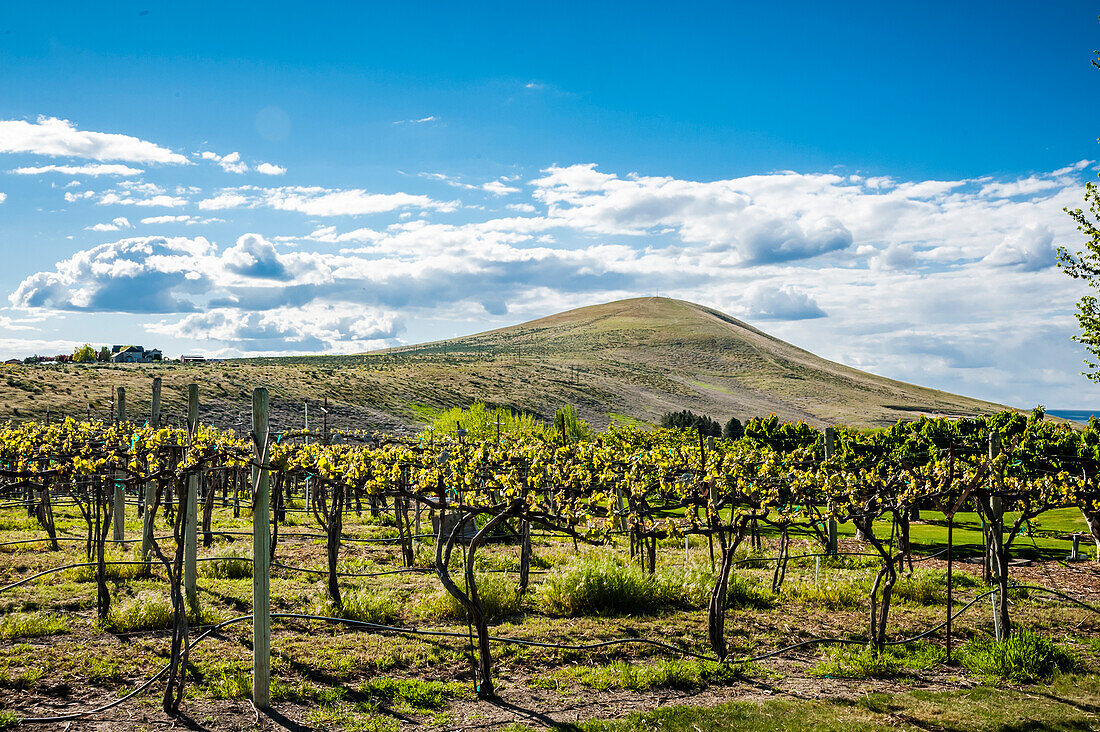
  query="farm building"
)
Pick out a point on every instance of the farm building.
point(134, 354)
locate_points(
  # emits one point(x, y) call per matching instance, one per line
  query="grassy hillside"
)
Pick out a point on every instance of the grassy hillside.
point(632, 359)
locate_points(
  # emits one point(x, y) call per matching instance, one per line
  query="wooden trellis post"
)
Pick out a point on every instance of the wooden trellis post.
point(150, 487)
point(118, 501)
point(261, 557)
point(191, 508)
point(830, 437)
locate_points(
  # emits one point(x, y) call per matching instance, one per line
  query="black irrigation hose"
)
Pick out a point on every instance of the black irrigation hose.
point(537, 644)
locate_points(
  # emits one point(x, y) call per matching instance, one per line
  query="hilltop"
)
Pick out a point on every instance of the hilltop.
point(627, 360)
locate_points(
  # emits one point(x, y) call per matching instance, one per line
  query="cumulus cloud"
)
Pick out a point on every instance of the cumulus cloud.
point(723, 215)
point(270, 169)
point(1031, 249)
point(90, 169)
point(779, 303)
point(119, 223)
point(60, 138)
point(230, 163)
point(289, 330)
point(254, 256)
point(136, 275)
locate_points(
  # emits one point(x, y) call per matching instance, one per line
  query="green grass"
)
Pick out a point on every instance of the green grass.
point(674, 674)
point(113, 572)
point(1067, 705)
point(362, 604)
point(1023, 657)
point(408, 694)
point(230, 563)
point(929, 586)
point(837, 593)
point(608, 585)
point(31, 625)
point(150, 611)
point(499, 594)
point(850, 661)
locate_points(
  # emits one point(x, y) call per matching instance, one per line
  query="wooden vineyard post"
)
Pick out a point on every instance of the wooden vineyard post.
point(830, 437)
point(261, 557)
point(118, 500)
point(191, 508)
point(150, 487)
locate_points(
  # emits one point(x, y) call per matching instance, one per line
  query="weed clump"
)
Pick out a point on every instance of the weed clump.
point(227, 563)
point(148, 611)
point(31, 625)
point(929, 586)
point(1023, 657)
point(498, 593)
point(675, 674)
point(360, 604)
point(598, 586)
point(861, 662)
point(835, 594)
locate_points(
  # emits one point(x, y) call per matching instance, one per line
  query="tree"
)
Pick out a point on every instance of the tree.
point(104, 355)
point(688, 420)
point(567, 425)
point(733, 429)
point(1085, 265)
point(84, 354)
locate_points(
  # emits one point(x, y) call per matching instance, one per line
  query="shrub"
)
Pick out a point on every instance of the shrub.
point(1023, 657)
point(31, 625)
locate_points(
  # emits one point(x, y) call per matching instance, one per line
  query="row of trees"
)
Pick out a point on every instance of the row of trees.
point(688, 420)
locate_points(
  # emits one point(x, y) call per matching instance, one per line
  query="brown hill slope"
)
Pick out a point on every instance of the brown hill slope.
point(634, 359)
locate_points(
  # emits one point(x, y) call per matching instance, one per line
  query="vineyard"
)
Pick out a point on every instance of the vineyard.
point(367, 581)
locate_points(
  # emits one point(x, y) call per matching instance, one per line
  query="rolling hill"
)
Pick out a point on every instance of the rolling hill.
point(627, 360)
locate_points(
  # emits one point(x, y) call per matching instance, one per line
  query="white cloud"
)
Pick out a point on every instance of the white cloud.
point(119, 223)
point(284, 330)
point(420, 121)
point(1031, 248)
point(223, 201)
point(72, 197)
point(230, 163)
point(3, 197)
point(60, 138)
point(180, 219)
point(779, 303)
point(91, 169)
point(497, 187)
point(270, 169)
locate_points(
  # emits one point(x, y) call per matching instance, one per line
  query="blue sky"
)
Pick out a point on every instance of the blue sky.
point(880, 184)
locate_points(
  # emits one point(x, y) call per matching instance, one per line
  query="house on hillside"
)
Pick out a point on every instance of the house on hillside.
point(134, 354)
